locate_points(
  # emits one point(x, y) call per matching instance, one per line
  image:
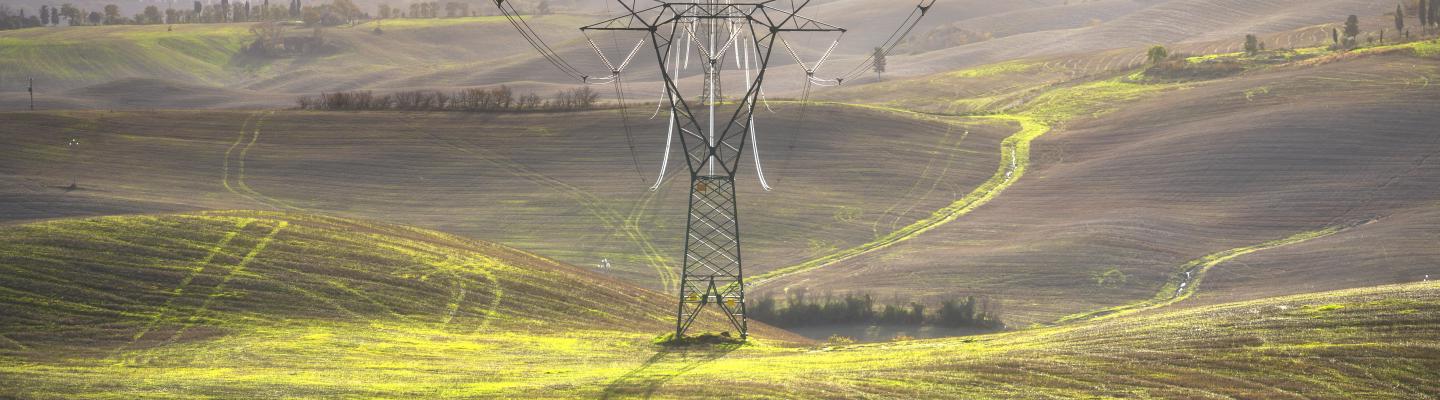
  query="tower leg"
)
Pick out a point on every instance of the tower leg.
point(712, 274)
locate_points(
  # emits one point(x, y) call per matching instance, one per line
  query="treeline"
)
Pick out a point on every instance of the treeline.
point(16, 19)
point(453, 9)
point(498, 99)
point(336, 12)
point(796, 310)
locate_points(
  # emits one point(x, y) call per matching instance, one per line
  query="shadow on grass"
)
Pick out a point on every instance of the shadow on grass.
point(665, 365)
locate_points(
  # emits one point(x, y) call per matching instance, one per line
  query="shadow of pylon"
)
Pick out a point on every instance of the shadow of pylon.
point(665, 365)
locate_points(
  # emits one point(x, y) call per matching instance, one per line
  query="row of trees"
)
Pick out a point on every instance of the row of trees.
point(16, 19)
point(224, 11)
point(500, 99)
point(450, 9)
point(335, 12)
point(798, 310)
point(1427, 10)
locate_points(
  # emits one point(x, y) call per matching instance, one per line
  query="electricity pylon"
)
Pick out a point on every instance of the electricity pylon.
point(713, 271)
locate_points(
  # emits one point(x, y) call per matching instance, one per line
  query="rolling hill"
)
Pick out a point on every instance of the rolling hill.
point(563, 185)
point(132, 282)
point(1145, 178)
point(485, 51)
point(1223, 225)
point(1185, 170)
point(262, 304)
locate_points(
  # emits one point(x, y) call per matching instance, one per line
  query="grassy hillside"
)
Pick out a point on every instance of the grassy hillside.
point(562, 185)
point(1125, 176)
point(1088, 37)
point(1027, 203)
point(246, 304)
point(1365, 343)
point(411, 52)
point(256, 290)
point(141, 281)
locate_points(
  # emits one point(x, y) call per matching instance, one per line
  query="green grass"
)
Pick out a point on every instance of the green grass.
point(210, 54)
point(984, 71)
point(95, 54)
point(413, 23)
point(1419, 48)
point(1423, 48)
point(318, 307)
point(150, 280)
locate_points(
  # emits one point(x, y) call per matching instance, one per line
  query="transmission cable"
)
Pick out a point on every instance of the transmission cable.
point(625, 119)
point(620, 91)
point(799, 128)
point(896, 38)
point(512, 15)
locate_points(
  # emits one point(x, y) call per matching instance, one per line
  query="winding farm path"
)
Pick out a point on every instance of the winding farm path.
point(1187, 282)
point(233, 172)
point(1014, 160)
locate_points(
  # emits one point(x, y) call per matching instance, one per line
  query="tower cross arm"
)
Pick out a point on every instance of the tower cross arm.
point(778, 20)
point(639, 20)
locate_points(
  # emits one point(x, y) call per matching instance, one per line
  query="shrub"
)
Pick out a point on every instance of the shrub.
point(472, 100)
point(799, 310)
point(703, 339)
point(838, 340)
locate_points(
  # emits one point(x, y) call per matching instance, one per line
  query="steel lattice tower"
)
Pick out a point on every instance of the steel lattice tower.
point(713, 271)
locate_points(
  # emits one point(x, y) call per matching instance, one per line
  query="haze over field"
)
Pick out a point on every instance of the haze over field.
point(1002, 199)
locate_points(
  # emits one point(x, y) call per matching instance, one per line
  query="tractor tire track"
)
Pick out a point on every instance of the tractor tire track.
point(608, 216)
point(457, 271)
point(906, 198)
point(1014, 161)
point(225, 164)
point(653, 257)
point(215, 292)
point(202, 265)
point(451, 267)
point(13, 342)
point(934, 184)
point(1187, 281)
point(239, 187)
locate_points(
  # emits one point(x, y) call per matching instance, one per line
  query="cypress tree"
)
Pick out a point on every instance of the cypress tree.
point(1352, 31)
point(1424, 14)
point(1399, 20)
point(1434, 13)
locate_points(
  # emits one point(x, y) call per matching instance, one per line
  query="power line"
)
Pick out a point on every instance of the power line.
point(890, 43)
point(625, 119)
point(549, 54)
point(712, 272)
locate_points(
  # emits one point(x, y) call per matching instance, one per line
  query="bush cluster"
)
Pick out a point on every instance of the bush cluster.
point(796, 309)
point(473, 100)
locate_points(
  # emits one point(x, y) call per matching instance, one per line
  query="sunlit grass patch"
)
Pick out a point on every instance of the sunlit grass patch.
point(1009, 67)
